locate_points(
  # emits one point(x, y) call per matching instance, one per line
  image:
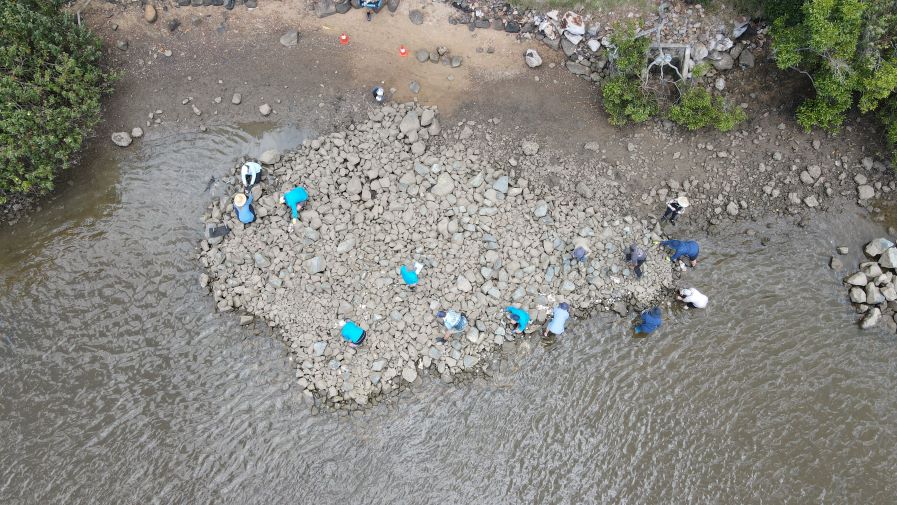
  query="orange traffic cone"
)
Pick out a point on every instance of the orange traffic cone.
point(403, 51)
point(344, 39)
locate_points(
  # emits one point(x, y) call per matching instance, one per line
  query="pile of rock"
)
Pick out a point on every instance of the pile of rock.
point(439, 55)
point(872, 289)
point(397, 189)
point(685, 32)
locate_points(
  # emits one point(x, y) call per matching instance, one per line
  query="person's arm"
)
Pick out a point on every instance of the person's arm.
point(676, 255)
point(249, 199)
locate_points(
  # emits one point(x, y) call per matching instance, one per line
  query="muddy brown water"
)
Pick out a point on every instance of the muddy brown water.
point(120, 384)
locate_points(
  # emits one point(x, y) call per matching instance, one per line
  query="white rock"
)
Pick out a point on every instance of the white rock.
point(264, 109)
point(444, 185)
point(136, 132)
point(270, 157)
point(532, 58)
point(121, 139)
point(464, 285)
point(409, 374)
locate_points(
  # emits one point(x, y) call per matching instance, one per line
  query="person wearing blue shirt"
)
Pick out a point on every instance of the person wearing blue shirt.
point(558, 319)
point(243, 208)
point(520, 318)
point(651, 319)
point(411, 277)
point(353, 333)
point(295, 200)
point(681, 248)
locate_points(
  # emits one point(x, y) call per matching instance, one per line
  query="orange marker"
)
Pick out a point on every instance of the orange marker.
point(344, 39)
point(403, 51)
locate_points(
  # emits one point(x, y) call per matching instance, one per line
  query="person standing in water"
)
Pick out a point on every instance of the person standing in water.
point(693, 298)
point(558, 320)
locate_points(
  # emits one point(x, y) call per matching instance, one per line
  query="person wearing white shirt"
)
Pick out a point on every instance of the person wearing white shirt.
point(693, 298)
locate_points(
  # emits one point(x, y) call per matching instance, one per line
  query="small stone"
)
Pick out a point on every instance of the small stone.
point(444, 185)
point(236, 99)
point(409, 374)
point(843, 249)
point(121, 139)
point(463, 284)
point(857, 295)
point(414, 86)
point(530, 148)
point(265, 109)
point(149, 13)
point(122, 45)
point(173, 25)
point(746, 59)
point(857, 279)
point(456, 61)
point(319, 347)
point(290, 38)
point(541, 209)
point(416, 17)
point(196, 110)
point(889, 258)
point(501, 185)
point(871, 319)
point(865, 192)
point(422, 55)
point(811, 202)
point(532, 58)
point(584, 190)
point(315, 265)
point(246, 320)
point(136, 132)
point(732, 209)
point(719, 84)
point(835, 263)
point(877, 246)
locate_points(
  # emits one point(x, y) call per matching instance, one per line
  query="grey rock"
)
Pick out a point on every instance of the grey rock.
point(319, 347)
point(456, 61)
point(261, 261)
point(122, 45)
point(532, 58)
point(392, 5)
point(541, 209)
point(577, 68)
point(835, 263)
point(409, 123)
point(270, 157)
point(889, 292)
point(732, 209)
point(290, 38)
point(354, 187)
point(873, 295)
point(889, 258)
point(265, 109)
point(346, 245)
point(136, 132)
point(315, 265)
point(530, 148)
point(444, 185)
point(463, 284)
point(871, 319)
point(746, 59)
point(877, 246)
point(815, 171)
point(121, 139)
point(236, 99)
point(422, 55)
point(857, 295)
point(865, 192)
point(723, 62)
point(325, 8)
point(378, 365)
point(569, 48)
point(811, 202)
point(246, 320)
point(501, 184)
point(844, 249)
point(857, 279)
point(409, 374)
point(426, 117)
point(416, 17)
point(584, 190)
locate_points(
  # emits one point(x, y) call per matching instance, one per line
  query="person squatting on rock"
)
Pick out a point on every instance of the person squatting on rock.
point(519, 317)
point(250, 174)
point(558, 320)
point(353, 333)
point(693, 298)
point(455, 322)
point(688, 248)
point(295, 199)
point(411, 277)
point(243, 208)
point(635, 256)
point(674, 208)
point(651, 319)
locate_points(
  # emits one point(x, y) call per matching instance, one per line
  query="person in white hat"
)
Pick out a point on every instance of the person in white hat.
point(693, 298)
point(250, 173)
point(243, 208)
point(674, 208)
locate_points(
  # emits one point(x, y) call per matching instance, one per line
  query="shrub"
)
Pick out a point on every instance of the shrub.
point(625, 100)
point(50, 89)
point(629, 53)
point(697, 108)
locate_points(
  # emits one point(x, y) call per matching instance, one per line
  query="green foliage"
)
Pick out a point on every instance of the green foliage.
point(625, 100)
point(700, 70)
point(50, 88)
point(697, 108)
point(630, 53)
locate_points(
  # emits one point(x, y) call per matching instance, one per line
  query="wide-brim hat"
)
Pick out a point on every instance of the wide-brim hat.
point(239, 199)
point(683, 201)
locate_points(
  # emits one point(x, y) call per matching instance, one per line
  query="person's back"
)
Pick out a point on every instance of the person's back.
point(250, 173)
point(695, 298)
point(353, 333)
point(558, 319)
point(243, 208)
point(651, 320)
point(294, 197)
point(522, 317)
point(411, 277)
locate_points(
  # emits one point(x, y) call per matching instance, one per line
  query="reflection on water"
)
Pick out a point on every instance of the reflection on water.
point(120, 384)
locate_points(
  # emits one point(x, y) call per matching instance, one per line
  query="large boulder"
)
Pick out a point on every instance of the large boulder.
point(889, 258)
point(877, 246)
point(872, 318)
point(857, 279)
point(873, 295)
point(270, 157)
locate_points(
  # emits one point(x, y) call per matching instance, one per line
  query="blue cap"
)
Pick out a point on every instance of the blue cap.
point(515, 317)
point(564, 306)
point(579, 253)
point(440, 314)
